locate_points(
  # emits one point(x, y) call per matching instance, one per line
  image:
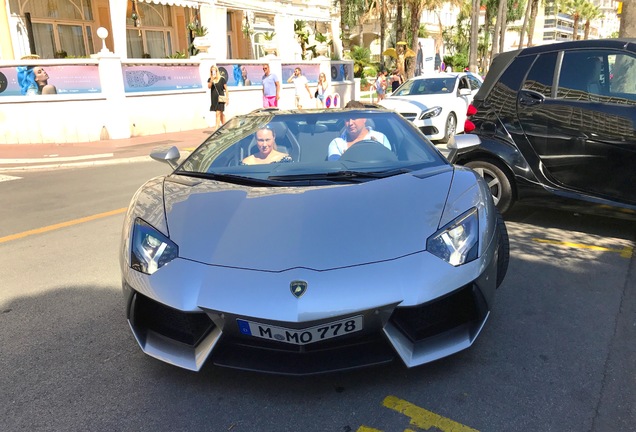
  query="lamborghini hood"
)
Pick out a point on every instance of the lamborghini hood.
point(320, 228)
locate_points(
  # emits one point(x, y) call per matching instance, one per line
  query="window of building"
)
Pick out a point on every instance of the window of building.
point(153, 39)
point(60, 28)
point(262, 24)
point(229, 17)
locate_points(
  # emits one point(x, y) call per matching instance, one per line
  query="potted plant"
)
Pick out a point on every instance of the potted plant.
point(200, 33)
point(269, 46)
point(322, 44)
point(302, 34)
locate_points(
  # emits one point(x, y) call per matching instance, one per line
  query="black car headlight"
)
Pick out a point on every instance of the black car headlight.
point(150, 250)
point(430, 113)
point(458, 242)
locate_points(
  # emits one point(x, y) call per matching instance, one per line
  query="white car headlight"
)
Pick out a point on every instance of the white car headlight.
point(458, 242)
point(432, 112)
point(150, 250)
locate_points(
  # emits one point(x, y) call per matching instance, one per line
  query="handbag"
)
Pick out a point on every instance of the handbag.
point(222, 98)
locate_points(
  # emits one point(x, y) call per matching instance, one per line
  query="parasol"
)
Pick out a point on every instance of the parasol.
point(392, 52)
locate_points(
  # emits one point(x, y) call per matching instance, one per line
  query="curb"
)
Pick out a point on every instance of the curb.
point(84, 164)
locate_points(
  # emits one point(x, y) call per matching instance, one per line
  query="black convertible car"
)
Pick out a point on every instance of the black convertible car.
point(557, 125)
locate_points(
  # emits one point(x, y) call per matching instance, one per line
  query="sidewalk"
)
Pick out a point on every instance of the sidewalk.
point(28, 157)
point(23, 157)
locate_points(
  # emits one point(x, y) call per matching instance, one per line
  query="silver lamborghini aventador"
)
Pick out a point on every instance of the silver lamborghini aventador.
point(299, 242)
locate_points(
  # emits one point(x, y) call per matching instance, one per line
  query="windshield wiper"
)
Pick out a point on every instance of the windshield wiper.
point(230, 178)
point(354, 176)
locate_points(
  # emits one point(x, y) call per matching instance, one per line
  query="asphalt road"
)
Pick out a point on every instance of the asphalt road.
point(556, 355)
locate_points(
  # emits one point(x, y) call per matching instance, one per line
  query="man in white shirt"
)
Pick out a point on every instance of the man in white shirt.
point(303, 93)
point(356, 130)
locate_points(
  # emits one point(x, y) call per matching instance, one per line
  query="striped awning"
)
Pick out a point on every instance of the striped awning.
point(182, 3)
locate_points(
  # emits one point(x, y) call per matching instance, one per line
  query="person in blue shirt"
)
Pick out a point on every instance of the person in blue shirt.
point(271, 88)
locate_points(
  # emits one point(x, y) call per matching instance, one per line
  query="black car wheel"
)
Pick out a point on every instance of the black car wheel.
point(451, 127)
point(498, 182)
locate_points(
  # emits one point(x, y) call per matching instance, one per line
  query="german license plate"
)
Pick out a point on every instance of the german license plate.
point(301, 336)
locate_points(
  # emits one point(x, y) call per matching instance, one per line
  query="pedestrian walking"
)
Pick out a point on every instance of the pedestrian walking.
point(301, 85)
point(271, 88)
point(380, 85)
point(322, 91)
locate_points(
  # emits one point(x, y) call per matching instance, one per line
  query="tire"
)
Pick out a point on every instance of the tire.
point(503, 250)
point(450, 129)
point(498, 182)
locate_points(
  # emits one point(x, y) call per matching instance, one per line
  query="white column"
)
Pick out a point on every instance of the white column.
point(118, 23)
point(117, 121)
point(335, 36)
point(286, 40)
point(6, 49)
point(214, 18)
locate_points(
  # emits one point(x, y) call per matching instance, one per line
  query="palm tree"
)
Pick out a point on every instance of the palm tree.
point(491, 8)
point(575, 8)
point(591, 12)
point(361, 57)
point(350, 12)
point(378, 9)
point(474, 35)
point(499, 24)
point(399, 20)
point(534, 10)
point(415, 8)
point(628, 21)
point(524, 26)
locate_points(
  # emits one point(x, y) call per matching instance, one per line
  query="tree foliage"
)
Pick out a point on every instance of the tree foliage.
point(350, 13)
point(361, 57)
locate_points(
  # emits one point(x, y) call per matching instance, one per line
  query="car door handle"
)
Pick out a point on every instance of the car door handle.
point(530, 97)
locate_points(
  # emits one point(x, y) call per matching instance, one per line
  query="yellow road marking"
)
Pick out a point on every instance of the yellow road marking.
point(625, 252)
point(424, 419)
point(61, 225)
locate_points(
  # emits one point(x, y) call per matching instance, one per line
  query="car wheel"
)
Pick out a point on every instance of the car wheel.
point(498, 183)
point(451, 127)
point(503, 250)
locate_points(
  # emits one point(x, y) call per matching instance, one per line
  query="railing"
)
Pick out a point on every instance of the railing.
point(107, 98)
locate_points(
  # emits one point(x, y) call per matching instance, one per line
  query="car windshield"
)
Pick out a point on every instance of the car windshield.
point(427, 86)
point(329, 146)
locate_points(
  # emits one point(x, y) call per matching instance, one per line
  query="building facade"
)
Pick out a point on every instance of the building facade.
point(156, 29)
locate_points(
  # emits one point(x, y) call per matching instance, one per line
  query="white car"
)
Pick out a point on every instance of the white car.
point(436, 103)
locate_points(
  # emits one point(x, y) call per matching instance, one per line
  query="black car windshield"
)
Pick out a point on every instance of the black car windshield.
point(427, 86)
point(328, 146)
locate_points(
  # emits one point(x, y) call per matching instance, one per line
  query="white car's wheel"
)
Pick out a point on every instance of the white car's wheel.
point(451, 127)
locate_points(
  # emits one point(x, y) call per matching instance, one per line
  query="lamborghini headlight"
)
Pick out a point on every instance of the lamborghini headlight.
point(150, 250)
point(430, 113)
point(458, 242)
